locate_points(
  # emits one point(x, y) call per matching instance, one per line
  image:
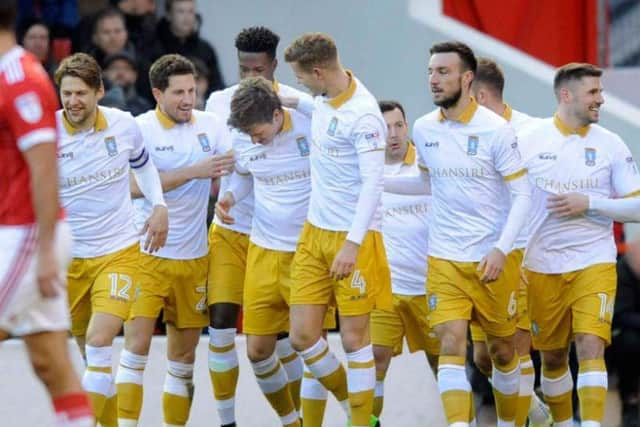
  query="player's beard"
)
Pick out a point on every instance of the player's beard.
point(451, 100)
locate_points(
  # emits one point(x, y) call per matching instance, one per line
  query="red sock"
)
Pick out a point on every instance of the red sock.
point(73, 410)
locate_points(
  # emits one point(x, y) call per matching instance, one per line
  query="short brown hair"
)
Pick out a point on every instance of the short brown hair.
point(82, 66)
point(390, 105)
point(312, 49)
point(490, 74)
point(467, 57)
point(253, 102)
point(574, 71)
point(167, 66)
point(169, 4)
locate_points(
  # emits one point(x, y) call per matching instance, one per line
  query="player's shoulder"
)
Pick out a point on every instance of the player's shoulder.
point(286, 90)
point(298, 119)
point(207, 119)
point(537, 128)
point(485, 118)
point(605, 136)
point(428, 119)
point(222, 96)
point(146, 118)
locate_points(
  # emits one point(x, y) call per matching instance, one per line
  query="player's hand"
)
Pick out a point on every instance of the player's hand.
point(568, 204)
point(47, 271)
point(345, 260)
point(289, 101)
point(491, 265)
point(156, 228)
point(213, 167)
point(223, 206)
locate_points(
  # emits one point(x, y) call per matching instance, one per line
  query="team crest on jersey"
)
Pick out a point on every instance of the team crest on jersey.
point(303, 146)
point(472, 145)
point(333, 125)
point(590, 156)
point(111, 145)
point(204, 142)
point(29, 108)
point(535, 329)
point(433, 301)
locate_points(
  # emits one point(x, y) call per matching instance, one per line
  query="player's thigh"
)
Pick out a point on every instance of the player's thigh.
point(496, 303)
point(592, 299)
point(115, 285)
point(549, 310)
point(266, 291)
point(449, 286)
point(310, 280)
point(155, 276)
point(387, 329)
point(186, 306)
point(227, 265)
point(369, 285)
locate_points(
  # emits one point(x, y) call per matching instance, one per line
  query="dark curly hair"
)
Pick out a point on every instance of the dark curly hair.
point(258, 40)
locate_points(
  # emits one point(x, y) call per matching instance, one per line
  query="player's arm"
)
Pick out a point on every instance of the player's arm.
point(369, 140)
point(303, 104)
point(36, 139)
point(209, 168)
point(625, 181)
point(509, 164)
point(239, 185)
point(409, 185)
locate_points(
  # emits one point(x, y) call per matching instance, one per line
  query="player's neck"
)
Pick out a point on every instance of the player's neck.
point(455, 111)
point(337, 82)
point(569, 119)
point(7, 42)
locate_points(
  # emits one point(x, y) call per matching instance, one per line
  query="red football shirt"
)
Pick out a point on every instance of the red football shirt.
point(27, 117)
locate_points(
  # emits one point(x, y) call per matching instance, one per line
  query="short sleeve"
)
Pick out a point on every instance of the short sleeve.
point(369, 134)
point(506, 154)
point(31, 112)
point(624, 172)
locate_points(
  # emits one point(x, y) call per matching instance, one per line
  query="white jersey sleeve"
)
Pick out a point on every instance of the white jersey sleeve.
point(625, 179)
point(507, 158)
point(369, 134)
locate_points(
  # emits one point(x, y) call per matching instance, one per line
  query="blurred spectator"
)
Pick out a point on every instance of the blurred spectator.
point(625, 347)
point(61, 16)
point(178, 32)
point(121, 74)
point(110, 37)
point(33, 34)
point(141, 23)
point(202, 83)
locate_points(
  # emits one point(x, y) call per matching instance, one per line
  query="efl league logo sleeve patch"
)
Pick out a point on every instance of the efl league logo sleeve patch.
point(590, 156)
point(303, 146)
point(29, 107)
point(111, 146)
point(204, 142)
point(373, 139)
point(472, 145)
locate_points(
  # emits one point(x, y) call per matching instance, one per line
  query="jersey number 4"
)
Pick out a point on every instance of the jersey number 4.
point(358, 282)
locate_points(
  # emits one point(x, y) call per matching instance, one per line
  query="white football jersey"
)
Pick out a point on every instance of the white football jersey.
point(592, 161)
point(94, 181)
point(219, 102)
point(175, 146)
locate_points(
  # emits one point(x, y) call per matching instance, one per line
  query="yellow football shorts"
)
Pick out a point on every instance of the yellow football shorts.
point(407, 319)
point(267, 292)
point(455, 292)
point(367, 287)
point(104, 284)
point(227, 264)
point(176, 286)
point(579, 302)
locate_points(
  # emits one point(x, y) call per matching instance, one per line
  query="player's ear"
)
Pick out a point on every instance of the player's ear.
point(100, 92)
point(157, 94)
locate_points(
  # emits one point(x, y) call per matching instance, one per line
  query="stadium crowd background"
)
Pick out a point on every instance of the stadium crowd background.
point(126, 36)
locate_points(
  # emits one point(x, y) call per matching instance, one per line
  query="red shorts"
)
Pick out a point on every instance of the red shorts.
point(23, 311)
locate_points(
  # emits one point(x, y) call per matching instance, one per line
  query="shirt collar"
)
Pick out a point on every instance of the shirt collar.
point(99, 125)
point(287, 125)
point(166, 121)
point(346, 95)
point(410, 156)
point(466, 115)
point(508, 112)
point(276, 86)
point(566, 130)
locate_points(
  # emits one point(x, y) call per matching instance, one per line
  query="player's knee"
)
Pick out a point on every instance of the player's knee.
point(589, 346)
point(46, 368)
point(502, 351)
point(382, 357)
point(353, 341)
point(98, 338)
point(223, 315)
point(554, 359)
point(257, 353)
point(482, 361)
point(301, 340)
point(452, 344)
